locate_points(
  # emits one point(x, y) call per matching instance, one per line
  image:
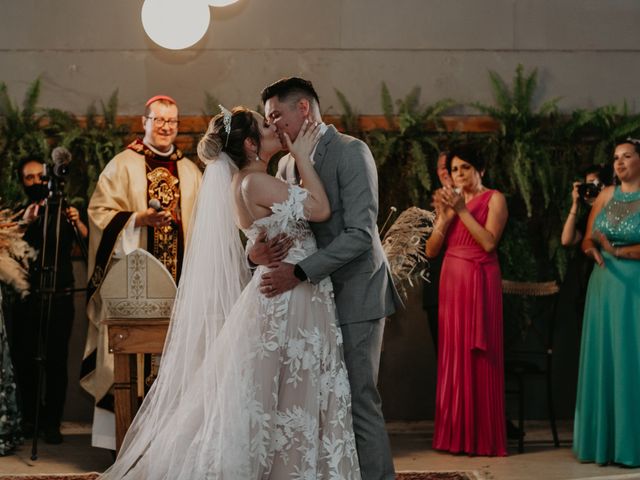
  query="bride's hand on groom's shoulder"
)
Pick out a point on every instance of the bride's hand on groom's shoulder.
point(306, 140)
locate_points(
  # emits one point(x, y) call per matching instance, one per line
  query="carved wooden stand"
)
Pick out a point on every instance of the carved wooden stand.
point(127, 338)
point(138, 294)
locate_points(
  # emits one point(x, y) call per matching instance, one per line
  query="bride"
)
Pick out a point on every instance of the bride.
point(249, 387)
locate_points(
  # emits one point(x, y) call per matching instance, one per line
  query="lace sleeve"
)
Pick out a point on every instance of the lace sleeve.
point(294, 206)
point(287, 216)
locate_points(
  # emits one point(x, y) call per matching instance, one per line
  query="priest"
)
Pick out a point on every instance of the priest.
point(150, 172)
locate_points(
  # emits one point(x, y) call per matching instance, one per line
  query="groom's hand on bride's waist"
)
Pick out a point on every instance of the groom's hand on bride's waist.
point(279, 279)
point(266, 252)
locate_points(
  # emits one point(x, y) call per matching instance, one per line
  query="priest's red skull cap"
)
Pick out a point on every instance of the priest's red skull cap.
point(155, 98)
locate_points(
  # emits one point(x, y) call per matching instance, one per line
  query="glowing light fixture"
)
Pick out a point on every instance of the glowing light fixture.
point(175, 25)
point(221, 3)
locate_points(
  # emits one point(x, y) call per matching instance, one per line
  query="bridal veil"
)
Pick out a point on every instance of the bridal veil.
point(214, 274)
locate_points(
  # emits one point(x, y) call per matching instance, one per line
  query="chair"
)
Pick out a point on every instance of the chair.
point(531, 307)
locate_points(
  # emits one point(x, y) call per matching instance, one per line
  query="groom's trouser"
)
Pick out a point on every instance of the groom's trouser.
point(362, 345)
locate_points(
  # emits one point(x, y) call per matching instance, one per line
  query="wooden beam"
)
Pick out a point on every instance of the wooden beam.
point(197, 124)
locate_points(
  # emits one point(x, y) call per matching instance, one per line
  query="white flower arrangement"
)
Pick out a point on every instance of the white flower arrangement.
point(15, 253)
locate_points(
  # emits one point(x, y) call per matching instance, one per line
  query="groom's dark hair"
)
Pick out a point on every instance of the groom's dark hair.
point(287, 87)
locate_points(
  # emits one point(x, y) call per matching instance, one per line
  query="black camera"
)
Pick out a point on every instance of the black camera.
point(589, 190)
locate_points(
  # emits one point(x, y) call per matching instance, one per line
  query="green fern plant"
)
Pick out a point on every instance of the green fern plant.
point(524, 167)
point(608, 125)
point(349, 117)
point(533, 158)
point(21, 136)
point(407, 150)
point(92, 146)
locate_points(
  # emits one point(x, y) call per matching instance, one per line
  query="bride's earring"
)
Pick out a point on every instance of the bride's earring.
point(257, 158)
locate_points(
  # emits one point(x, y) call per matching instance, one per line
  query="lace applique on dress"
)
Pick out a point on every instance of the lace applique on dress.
point(272, 400)
point(298, 357)
point(290, 217)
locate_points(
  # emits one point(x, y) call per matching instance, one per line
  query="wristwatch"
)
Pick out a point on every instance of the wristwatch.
point(299, 273)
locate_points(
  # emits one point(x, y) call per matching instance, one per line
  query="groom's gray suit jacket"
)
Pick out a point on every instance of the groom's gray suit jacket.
point(349, 244)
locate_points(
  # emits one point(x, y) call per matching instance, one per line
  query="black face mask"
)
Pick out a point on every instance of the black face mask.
point(37, 192)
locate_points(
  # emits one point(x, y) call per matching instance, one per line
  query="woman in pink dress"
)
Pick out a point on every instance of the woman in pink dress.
point(470, 415)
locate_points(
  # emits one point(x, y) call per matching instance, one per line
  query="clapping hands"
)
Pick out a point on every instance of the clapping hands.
point(452, 199)
point(442, 205)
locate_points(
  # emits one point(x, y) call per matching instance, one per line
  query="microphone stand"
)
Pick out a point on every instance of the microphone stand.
point(48, 288)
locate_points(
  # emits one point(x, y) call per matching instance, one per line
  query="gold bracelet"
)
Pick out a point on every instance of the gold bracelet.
point(573, 213)
point(437, 230)
point(616, 252)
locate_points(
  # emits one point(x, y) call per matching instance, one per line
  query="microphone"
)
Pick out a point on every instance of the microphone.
point(155, 204)
point(61, 159)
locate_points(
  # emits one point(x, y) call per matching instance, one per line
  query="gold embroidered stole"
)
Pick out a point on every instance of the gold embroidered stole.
point(165, 243)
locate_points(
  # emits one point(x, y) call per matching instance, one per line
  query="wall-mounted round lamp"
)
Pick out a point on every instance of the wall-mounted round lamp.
point(176, 24)
point(221, 3)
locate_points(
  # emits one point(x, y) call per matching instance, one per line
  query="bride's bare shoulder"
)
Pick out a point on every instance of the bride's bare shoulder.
point(264, 187)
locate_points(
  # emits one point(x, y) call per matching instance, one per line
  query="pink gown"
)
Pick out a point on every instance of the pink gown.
point(470, 414)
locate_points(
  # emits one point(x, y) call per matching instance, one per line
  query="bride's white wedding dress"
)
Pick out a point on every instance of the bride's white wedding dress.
point(264, 394)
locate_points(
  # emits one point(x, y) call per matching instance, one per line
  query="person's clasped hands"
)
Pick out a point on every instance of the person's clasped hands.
point(445, 201)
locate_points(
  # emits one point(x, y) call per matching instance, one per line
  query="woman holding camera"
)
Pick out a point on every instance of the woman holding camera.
point(607, 418)
point(470, 414)
point(583, 192)
point(583, 195)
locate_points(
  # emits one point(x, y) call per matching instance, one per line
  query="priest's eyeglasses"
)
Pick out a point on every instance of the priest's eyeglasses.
point(160, 122)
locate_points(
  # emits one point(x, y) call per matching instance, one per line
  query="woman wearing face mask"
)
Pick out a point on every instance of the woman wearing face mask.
point(27, 332)
point(607, 419)
point(469, 399)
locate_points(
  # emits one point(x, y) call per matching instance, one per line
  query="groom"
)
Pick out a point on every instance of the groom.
point(349, 251)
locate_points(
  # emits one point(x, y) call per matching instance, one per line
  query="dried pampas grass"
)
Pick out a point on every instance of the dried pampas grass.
point(404, 245)
point(15, 253)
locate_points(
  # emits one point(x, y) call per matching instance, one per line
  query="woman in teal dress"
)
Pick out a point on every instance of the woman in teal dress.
point(607, 419)
point(15, 254)
point(10, 432)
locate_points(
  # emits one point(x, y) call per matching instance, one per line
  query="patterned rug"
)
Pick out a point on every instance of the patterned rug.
point(51, 476)
point(437, 476)
point(399, 476)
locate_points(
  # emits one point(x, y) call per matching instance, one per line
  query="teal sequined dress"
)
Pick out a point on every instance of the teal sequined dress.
point(607, 419)
point(10, 434)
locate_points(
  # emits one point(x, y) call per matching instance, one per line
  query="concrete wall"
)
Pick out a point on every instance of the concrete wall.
point(586, 50)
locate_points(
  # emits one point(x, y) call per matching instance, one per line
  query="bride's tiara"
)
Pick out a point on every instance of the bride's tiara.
point(226, 121)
